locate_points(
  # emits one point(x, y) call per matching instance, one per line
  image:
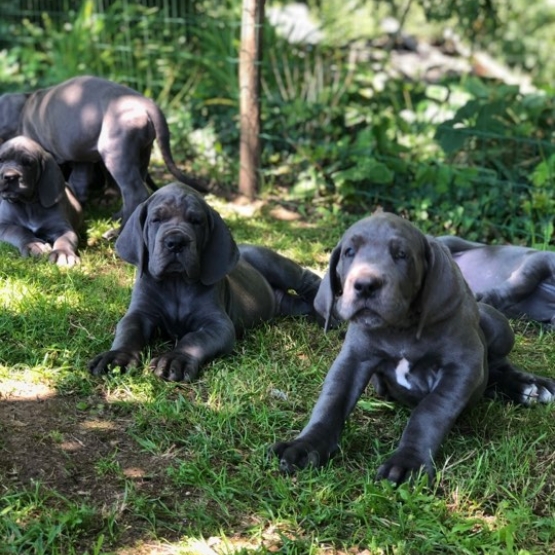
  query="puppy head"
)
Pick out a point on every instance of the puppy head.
point(175, 232)
point(385, 273)
point(19, 169)
point(28, 173)
point(377, 270)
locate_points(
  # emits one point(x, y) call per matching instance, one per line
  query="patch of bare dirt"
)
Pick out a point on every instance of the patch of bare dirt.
point(59, 441)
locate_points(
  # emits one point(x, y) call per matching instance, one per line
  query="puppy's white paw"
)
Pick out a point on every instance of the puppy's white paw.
point(536, 393)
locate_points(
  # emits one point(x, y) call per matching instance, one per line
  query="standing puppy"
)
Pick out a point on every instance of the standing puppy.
point(196, 286)
point(86, 120)
point(38, 212)
point(417, 333)
point(518, 281)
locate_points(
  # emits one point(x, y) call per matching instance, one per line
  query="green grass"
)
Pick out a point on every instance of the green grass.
point(130, 464)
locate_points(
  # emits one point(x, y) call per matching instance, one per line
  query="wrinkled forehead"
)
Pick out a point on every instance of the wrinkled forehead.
point(382, 229)
point(18, 146)
point(170, 200)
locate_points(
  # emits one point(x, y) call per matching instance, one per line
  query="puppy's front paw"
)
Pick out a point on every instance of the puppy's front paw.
point(104, 362)
point(176, 367)
point(298, 454)
point(63, 257)
point(36, 248)
point(405, 466)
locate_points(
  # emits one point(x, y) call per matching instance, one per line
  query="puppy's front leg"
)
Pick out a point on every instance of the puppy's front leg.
point(132, 335)
point(429, 423)
point(23, 239)
point(211, 337)
point(64, 250)
point(344, 384)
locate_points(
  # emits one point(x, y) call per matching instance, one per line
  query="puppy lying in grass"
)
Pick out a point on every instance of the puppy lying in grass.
point(194, 284)
point(518, 281)
point(38, 212)
point(417, 333)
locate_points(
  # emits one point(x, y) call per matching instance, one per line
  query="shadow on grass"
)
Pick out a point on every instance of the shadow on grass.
point(133, 464)
point(127, 461)
point(69, 464)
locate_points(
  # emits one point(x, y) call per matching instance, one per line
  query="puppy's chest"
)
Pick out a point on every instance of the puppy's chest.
point(182, 316)
point(182, 307)
point(179, 308)
point(31, 213)
point(177, 321)
point(414, 376)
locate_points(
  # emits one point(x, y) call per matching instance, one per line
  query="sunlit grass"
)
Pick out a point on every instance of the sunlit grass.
point(185, 466)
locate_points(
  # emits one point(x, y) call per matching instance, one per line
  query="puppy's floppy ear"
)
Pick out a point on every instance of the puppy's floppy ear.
point(335, 281)
point(330, 288)
point(51, 184)
point(220, 254)
point(443, 288)
point(131, 243)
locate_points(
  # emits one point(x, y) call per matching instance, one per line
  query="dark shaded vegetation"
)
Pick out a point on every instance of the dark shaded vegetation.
point(341, 127)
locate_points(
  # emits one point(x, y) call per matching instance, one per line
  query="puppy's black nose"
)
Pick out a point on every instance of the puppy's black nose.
point(175, 242)
point(9, 175)
point(367, 286)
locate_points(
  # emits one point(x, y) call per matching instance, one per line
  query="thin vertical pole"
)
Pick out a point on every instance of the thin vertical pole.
point(249, 91)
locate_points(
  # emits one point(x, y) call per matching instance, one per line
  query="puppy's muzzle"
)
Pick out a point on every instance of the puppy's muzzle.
point(9, 184)
point(367, 286)
point(8, 176)
point(176, 242)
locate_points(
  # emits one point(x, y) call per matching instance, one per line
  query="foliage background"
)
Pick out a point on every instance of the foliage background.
point(342, 128)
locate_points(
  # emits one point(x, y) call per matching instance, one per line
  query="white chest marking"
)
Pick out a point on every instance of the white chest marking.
point(401, 372)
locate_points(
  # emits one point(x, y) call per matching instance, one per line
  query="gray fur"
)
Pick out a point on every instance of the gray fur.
point(416, 332)
point(196, 285)
point(86, 120)
point(518, 281)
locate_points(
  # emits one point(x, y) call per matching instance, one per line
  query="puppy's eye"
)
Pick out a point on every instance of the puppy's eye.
point(194, 219)
point(349, 252)
point(399, 254)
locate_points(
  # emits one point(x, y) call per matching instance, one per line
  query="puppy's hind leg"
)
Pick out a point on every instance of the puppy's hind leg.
point(505, 380)
point(510, 383)
point(295, 287)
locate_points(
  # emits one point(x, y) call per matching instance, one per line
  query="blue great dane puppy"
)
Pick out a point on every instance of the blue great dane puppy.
point(195, 285)
point(518, 281)
point(38, 212)
point(417, 333)
point(86, 120)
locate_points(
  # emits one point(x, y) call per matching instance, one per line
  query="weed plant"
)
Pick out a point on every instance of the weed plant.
point(341, 131)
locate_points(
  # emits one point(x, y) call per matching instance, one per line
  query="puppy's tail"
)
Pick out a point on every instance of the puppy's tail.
point(163, 138)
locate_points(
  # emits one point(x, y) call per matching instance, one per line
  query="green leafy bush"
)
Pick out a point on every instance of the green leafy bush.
point(470, 157)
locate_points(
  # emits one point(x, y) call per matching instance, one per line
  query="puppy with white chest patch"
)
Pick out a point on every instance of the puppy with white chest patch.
point(416, 332)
